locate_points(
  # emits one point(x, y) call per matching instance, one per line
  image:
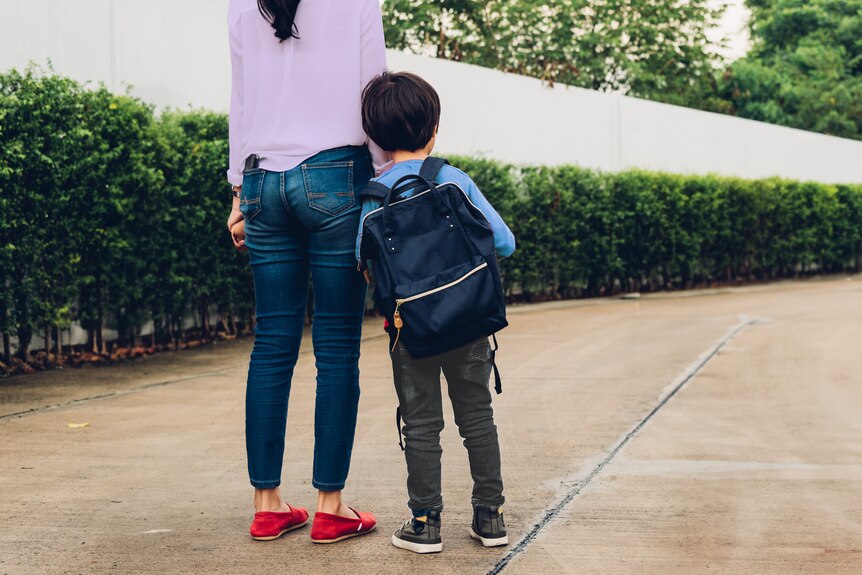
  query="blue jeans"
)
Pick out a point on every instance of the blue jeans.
point(303, 223)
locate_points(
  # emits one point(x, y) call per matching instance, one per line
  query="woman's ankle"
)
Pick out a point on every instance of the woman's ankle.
point(330, 502)
point(268, 500)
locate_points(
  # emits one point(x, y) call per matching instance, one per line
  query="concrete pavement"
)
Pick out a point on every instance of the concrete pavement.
point(754, 465)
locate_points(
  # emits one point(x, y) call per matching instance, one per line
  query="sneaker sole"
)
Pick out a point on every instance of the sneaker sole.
point(486, 542)
point(288, 530)
point(417, 547)
point(343, 537)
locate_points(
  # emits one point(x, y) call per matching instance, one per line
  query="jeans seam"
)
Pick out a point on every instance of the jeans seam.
point(435, 507)
point(488, 503)
point(328, 486)
point(427, 508)
point(282, 192)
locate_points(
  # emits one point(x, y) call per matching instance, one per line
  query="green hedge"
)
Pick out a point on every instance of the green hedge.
point(113, 217)
point(584, 233)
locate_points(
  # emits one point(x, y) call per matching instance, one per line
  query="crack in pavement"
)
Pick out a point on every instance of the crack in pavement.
point(110, 394)
point(120, 393)
point(681, 380)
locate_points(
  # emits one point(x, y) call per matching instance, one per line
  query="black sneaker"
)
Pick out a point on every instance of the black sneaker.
point(420, 535)
point(489, 527)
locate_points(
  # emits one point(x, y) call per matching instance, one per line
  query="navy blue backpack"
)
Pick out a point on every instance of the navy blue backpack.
point(434, 263)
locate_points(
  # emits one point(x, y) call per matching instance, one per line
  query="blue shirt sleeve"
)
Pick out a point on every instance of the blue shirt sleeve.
point(367, 206)
point(504, 239)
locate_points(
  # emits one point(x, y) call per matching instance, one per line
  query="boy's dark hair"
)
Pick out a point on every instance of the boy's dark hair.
point(400, 111)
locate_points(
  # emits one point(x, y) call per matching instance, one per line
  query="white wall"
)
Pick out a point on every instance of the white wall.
point(174, 53)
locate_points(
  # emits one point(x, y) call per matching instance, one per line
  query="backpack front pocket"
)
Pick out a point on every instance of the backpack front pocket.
point(446, 302)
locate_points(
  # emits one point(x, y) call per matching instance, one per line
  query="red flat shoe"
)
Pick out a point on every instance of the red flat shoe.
point(269, 525)
point(329, 528)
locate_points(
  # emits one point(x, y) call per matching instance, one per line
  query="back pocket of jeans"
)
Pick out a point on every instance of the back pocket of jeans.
point(252, 188)
point(329, 186)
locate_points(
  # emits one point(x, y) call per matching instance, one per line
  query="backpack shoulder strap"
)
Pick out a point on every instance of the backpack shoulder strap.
point(498, 383)
point(431, 167)
point(374, 191)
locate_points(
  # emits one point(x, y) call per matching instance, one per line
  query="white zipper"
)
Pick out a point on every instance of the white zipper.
point(400, 302)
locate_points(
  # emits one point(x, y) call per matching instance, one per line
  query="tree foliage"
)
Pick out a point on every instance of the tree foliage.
point(805, 66)
point(650, 48)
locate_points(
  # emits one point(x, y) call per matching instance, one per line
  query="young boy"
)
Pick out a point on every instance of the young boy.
point(400, 113)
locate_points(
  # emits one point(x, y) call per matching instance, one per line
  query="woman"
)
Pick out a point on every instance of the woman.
point(298, 159)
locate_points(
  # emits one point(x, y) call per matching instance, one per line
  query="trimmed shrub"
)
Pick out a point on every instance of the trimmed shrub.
point(585, 233)
point(111, 218)
point(114, 218)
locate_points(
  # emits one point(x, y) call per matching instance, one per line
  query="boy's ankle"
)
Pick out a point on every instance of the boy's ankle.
point(417, 513)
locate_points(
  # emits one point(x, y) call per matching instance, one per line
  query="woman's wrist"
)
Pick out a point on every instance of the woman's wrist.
point(236, 190)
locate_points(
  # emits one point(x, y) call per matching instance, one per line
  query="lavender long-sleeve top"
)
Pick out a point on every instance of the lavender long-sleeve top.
point(294, 99)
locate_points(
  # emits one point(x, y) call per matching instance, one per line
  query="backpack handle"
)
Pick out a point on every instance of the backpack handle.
point(430, 168)
point(410, 182)
point(404, 184)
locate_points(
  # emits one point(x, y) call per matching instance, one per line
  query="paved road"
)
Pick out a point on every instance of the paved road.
point(716, 432)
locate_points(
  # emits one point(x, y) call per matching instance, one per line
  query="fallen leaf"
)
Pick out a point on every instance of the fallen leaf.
point(78, 425)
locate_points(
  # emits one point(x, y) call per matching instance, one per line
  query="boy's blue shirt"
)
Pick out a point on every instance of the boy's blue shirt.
point(504, 240)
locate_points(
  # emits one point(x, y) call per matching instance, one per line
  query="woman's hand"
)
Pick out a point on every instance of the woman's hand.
point(237, 234)
point(235, 215)
point(236, 225)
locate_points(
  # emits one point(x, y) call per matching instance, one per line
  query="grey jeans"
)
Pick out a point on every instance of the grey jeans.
point(417, 383)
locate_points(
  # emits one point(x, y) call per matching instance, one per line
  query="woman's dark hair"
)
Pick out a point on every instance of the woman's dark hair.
point(282, 15)
point(400, 111)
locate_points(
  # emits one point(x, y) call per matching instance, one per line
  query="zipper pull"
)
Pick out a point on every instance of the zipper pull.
point(398, 323)
point(396, 317)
